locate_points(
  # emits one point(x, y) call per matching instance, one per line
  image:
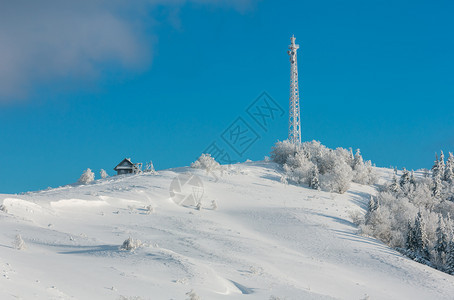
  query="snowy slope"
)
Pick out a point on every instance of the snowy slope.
point(265, 239)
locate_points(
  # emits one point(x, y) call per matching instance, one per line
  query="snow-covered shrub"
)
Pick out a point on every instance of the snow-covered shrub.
point(206, 162)
point(214, 205)
point(357, 217)
point(19, 243)
point(3, 208)
point(313, 164)
point(282, 151)
point(130, 244)
point(192, 295)
point(283, 179)
point(364, 174)
point(87, 176)
point(149, 168)
point(338, 179)
point(299, 168)
point(103, 174)
point(149, 209)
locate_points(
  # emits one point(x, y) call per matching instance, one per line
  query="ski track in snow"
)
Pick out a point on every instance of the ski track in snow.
point(265, 239)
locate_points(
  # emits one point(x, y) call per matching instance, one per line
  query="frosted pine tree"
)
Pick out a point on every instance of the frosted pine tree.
point(449, 227)
point(412, 179)
point(441, 164)
point(372, 207)
point(449, 168)
point(351, 157)
point(405, 178)
point(437, 186)
point(394, 187)
point(405, 181)
point(420, 237)
point(410, 243)
point(315, 182)
point(441, 245)
point(449, 266)
point(103, 174)
point(358, 160)
point(436, 167)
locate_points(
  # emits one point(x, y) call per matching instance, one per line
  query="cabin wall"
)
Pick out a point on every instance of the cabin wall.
point(121, 172)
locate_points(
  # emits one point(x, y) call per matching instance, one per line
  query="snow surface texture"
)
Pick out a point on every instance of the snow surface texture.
point(265, 240)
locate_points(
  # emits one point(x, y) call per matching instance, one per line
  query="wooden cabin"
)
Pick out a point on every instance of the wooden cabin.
point(125, 167)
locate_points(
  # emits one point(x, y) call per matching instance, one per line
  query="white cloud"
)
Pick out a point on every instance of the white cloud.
point(60, 39)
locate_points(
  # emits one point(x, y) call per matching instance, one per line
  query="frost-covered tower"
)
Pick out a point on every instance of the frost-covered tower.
point(294, 123)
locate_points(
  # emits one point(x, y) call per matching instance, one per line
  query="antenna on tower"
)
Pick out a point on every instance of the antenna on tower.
point(294, 122)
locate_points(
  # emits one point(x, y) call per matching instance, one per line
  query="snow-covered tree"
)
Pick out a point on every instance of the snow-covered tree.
point(358, 159)
point(410, 243)
point(351, 157)
point(87, 176)
point(338, 180)
point(364, 174)
point(394, 186)
point(372, 206)
point(449, 226)
point(315, 183)
point(438, 169)
point(405, 178)
point(417, 220)
point(449, 169)
point(442, 164)
point(437, 186)
point(412, 179)
point(103, 174)
point(334, 166)
point(441, 245)
point(420, 236)
point(282, 151)
point(449, 266)
point(405, 182)
point(435, 167)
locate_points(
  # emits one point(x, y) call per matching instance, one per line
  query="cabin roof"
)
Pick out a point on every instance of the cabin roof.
point(125, 164)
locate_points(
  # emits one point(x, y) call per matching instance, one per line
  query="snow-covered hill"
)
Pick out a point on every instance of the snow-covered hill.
point(266, 240)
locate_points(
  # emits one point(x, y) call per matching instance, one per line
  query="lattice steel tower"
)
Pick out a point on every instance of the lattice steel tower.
point(294, 122)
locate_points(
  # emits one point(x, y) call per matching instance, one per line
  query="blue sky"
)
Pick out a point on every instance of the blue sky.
point(84, 85)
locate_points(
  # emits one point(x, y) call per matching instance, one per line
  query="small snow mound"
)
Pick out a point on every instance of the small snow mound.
point(192, 295)
point(77, 202)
